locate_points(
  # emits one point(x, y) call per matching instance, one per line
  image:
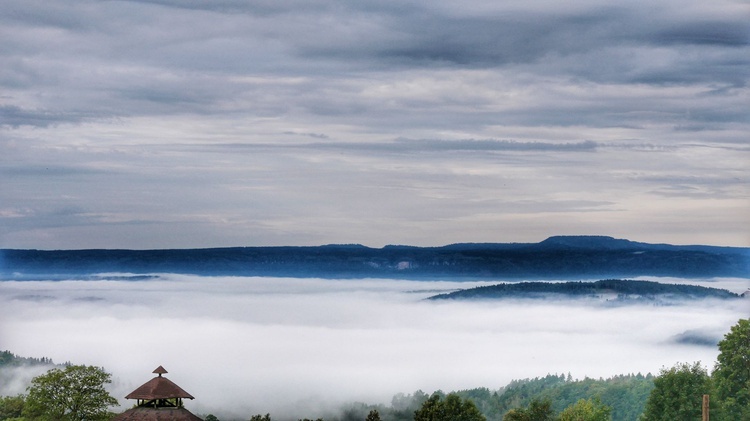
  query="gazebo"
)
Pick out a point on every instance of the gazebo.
point(159, 399)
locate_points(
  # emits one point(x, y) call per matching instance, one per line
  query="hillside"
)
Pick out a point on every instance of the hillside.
point(561, 257)
point(609, 290)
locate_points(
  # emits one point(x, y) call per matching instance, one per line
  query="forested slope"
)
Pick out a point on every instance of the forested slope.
point(554, 258)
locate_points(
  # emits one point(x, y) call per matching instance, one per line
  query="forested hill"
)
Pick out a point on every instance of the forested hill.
point(609, 290)
point(562, 257)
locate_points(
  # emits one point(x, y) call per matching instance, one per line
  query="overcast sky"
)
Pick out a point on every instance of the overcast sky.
point(191, 123)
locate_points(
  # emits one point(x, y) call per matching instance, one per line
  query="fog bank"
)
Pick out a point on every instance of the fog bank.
point(292, 347)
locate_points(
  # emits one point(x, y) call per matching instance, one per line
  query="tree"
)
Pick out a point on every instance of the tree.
point(258, 417)
point(453, 408)
point(678, 393)
point(731, 374)
point(211, 417)
point(75, 393)
point(431, 409)
point(538, 410)
point(11, 406)
point(374, 415)
point(587, 410)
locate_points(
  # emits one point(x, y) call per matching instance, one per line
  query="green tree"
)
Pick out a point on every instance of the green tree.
point(211, 417)
point(587, 410)
point(11, 407)
point(678, 393)
point(75, 393)
point(731, 374)
point(538, 410)
point(258, 417)
point(431, 409)
point(452, 408)
point(374, 415)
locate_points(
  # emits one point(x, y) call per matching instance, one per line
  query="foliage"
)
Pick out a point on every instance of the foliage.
point(212, 417)
point(452, 408)
point(587, 410)
point(538, 410)
point(731, 374)
point(11, 406)
point(678, 393)
point(626, 290)
point(71, 394)
point(258, 417)
point(625, 394)
point(374, 415)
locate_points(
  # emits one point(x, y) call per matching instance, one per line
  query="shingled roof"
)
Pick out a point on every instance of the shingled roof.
point(163, 414)
point(159, 399)
point(159, 388)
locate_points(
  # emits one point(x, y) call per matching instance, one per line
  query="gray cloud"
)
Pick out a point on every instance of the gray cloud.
point(282, 122)
point(14, 117)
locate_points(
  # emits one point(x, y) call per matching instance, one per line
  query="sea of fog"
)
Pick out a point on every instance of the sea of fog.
point(296, 347)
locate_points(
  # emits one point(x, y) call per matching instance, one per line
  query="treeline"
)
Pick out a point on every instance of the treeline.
point(622, 289)
point(8, 359)
point(625, 395)
point(554, 258)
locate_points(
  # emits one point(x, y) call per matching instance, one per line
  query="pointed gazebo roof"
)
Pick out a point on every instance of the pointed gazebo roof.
point(149, 414)
point(159, 399)
point(159, 388)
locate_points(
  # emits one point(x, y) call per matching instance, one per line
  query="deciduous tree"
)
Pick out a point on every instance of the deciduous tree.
point(11, 406)
point(453, 408)
point(587, 410)
point(678, 393)
point(731, 374)
point(538, 410)
point(75, 393)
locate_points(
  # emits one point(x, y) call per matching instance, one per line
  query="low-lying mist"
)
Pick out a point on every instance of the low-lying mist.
point(297, 347)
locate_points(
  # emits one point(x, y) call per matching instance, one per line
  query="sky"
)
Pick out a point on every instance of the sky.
point(299, 348)
point(189, 123)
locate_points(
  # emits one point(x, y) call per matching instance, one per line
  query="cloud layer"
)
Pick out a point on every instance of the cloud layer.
point(299, 347)
point(148, 124)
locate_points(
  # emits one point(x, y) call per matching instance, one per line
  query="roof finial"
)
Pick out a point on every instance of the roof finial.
point(160, 370)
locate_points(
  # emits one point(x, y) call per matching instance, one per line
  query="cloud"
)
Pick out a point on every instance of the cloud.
point(733, 34)
point(295, 347)
point(402, 145)
point(375, 122)
point(14, 117)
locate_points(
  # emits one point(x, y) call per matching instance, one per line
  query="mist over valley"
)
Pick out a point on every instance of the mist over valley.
point(296, 347)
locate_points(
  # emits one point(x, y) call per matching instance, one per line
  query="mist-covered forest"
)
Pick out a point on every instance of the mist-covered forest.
point(610, 290)
point(625, 394)
point(679, 392)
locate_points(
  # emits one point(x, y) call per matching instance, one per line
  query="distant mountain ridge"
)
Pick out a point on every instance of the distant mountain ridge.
point(558, 257)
